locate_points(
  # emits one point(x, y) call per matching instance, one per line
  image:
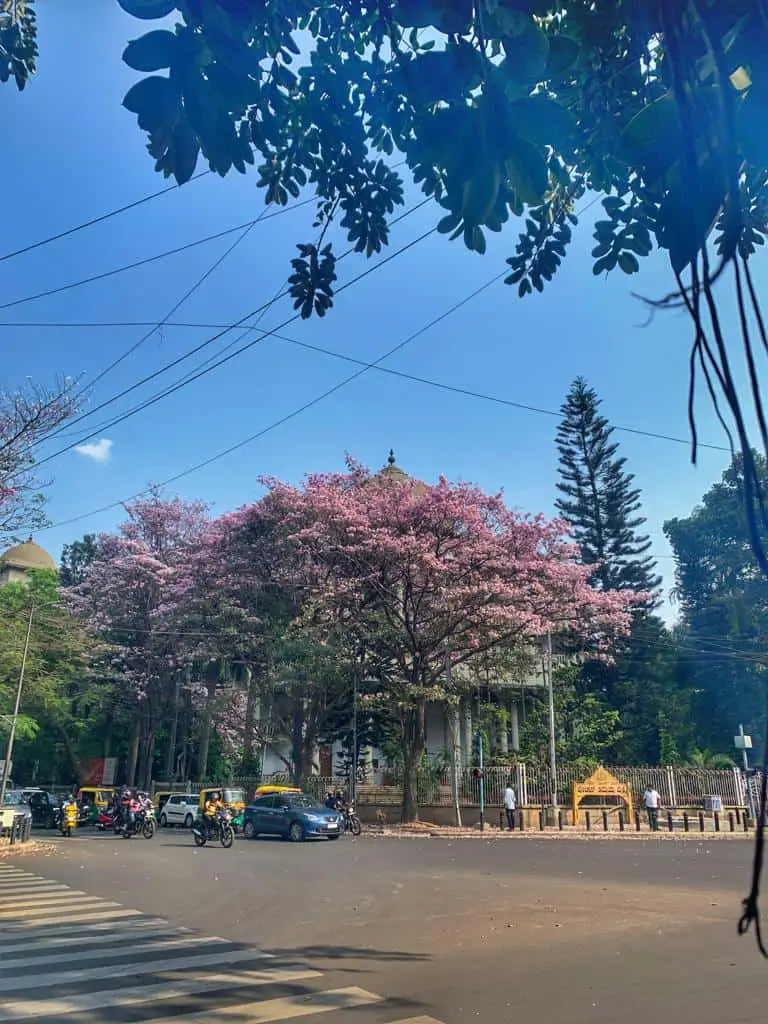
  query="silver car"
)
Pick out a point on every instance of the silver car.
point(15, 798)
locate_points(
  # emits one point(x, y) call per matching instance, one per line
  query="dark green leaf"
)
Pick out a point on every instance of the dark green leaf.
point(155, 101)
point(526, 55)
point(148, 9)
point(185, 150)
point(527, 173)
point(151, 52)
point(448, 223)
point(544, 122)
point(628, 263)
point(563, 54)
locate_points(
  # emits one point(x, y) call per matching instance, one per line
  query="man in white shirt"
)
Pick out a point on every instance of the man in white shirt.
point(652, 803)
point(510, 803)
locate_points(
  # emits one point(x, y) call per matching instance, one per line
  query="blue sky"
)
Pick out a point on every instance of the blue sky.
point(72, 152)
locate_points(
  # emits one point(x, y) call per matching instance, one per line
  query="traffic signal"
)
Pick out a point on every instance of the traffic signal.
point(477, 772)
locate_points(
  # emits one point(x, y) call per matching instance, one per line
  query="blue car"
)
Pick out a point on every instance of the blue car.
point(293, 816)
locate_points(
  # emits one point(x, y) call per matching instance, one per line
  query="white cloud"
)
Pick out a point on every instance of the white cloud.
point(101, 451)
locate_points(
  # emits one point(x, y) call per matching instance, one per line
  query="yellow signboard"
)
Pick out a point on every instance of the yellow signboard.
point(601, 783)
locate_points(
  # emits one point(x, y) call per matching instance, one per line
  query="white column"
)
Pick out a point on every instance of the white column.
point(514, 727)
point(466, 730)
point(504, 735)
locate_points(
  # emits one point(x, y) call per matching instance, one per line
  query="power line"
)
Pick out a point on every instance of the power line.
point(96, 220)
point(149, 259)
point(188, 354)
point(294, 413)
point(428, 381)
point(205, 370)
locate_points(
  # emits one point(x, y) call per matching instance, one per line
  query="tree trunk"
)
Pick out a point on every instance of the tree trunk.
point(149, 758)
point(297, 743)
point(205, 734)
point(170, 754)
point(133, 754)
point(248, 766)
point(414, 742)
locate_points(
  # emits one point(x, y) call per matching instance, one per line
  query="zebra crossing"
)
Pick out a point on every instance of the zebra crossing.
point(69, 957)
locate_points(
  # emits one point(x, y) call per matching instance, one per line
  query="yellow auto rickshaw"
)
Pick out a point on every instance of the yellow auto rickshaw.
point(234, 799)
point(98, 796)
point(160, 798)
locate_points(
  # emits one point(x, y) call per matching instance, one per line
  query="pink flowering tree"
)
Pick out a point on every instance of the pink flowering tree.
point(411, 570)
point(122, 596)
point(268, 676)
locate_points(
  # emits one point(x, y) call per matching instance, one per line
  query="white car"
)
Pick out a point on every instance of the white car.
point(180, 809)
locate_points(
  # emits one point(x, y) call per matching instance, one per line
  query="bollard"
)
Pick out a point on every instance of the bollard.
point(637, 821)
point(621, 821)
point(701, 821)
point(685, 821)
point(745, 819)
point(13, 832)
point(605, 821)
point(731, 823)
point(738, 816)
point(588, 820)
point(501, 821)
point(716, 816)
point(541, 821)
point(519, 820)
point(670, 823)
point(560, 820)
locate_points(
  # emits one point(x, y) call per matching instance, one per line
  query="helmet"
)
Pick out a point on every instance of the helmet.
point(215, 796)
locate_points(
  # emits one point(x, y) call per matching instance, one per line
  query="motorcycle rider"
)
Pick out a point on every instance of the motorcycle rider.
point(210, 809)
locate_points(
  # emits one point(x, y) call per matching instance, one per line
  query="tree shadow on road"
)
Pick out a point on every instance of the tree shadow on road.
point(328, 952)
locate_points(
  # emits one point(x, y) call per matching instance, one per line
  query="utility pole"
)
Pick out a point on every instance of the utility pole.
point(552, 731)
point(14, 719)
point(353, 787)
point(453, 726)
point(744, 743)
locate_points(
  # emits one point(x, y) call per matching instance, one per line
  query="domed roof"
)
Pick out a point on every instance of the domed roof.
point(391, 473)
point(27, 556)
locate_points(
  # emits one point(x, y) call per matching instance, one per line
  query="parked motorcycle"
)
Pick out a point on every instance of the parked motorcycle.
point(220, 828)
point(68, 819)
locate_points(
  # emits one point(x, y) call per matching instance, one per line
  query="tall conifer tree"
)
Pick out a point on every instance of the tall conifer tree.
point(598, 497)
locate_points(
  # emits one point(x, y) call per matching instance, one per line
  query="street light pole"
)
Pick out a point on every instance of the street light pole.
point(552, 734)
point(353, 786)
point(14, 719)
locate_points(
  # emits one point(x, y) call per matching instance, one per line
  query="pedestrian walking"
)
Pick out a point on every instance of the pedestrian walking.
point(510, 803)
point(652, 802)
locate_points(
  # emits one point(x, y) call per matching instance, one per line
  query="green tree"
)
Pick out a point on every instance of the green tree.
point(59, 701)
point(588, 728)
point(75, 559)
point(598, 499)
point(724, 604)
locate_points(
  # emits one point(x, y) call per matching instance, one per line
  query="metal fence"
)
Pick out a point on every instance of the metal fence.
point(678, 786)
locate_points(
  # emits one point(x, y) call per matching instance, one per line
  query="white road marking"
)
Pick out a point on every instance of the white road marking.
point(66, 898)
point(286, 1008)
point(11, 888)
point(231, 956)
point(77, 905)
point(74, 915)
point(23, 1010)
point(117, 952)
point(76, 937)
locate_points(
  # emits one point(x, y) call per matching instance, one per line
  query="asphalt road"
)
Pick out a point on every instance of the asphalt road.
point(571, 930)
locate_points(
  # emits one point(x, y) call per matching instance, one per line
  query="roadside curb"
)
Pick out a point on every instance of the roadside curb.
point(496, 834)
